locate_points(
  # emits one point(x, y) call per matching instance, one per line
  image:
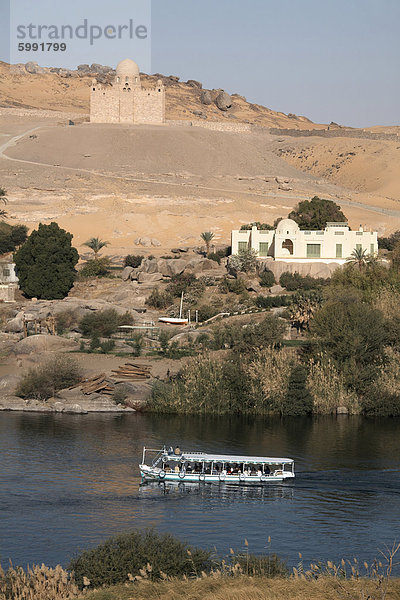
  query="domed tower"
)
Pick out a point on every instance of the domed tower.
point(286, 237)
point(128, 73)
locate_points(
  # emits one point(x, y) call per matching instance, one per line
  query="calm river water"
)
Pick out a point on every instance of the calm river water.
point(69, 482)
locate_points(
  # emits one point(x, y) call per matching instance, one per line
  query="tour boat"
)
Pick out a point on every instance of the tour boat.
point(199, 467)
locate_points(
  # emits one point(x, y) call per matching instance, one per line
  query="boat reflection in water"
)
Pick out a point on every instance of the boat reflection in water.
point(221, 491)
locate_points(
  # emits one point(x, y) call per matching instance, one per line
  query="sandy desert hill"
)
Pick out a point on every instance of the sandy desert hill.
point(53, 91)
point(172, 182)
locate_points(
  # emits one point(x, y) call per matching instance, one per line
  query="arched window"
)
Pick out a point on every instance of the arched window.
point(129, 89)
point(94, 89)
point(288, 245)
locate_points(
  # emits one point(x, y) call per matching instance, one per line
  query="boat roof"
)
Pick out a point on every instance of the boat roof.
point(227, 458)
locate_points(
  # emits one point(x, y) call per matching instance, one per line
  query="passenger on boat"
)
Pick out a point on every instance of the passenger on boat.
point(176, 469)
point(177, 451)
point(167, 468)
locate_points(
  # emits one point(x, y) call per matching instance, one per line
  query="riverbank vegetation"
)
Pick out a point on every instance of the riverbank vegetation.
point(350, 332)
point(146, 565)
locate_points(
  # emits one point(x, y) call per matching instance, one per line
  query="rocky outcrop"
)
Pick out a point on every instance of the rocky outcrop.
point(194, 83)
point(223, 101)
point(43, 343)
point(40, 309)
point(34, 69)
point(316, 269)
point(147, 242)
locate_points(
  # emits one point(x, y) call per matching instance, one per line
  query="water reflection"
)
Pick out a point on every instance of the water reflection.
point(69, 481)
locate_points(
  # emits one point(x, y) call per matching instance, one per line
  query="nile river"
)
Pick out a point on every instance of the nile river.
point(68, 482)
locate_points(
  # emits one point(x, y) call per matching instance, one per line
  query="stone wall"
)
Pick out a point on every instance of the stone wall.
point(149, 105)
point(215, 125)
point(7, 292)
point(113, 104)
point(335, 133)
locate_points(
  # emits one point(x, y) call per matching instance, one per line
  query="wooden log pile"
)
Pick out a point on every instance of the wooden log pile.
point(132, 372)
point(99, 384)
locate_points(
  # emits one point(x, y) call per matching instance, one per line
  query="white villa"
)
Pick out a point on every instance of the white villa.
point(288, 243)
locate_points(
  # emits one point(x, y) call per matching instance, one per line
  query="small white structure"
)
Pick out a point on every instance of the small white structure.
point(289, 243)
point(8, 281)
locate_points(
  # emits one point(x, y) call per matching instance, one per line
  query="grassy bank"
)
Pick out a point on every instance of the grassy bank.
point(249, 588)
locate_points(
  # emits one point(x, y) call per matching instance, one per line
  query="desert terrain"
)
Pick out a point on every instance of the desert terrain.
point(171, 182)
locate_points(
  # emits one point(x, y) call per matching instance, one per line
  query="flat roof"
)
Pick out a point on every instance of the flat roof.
point(201, 456)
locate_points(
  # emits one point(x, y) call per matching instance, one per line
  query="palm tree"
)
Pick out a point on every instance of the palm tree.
point(359, 258)
point(96, 244)
point(3, 198)
point(207, 236)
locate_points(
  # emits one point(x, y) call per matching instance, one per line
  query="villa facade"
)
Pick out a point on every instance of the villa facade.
point(289, 243)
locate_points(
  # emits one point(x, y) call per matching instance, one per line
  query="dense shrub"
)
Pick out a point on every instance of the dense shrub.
point(262, 565)
point(103, 323)
point(262, 226)
point(244, 338)
point(96, 267)
point(214, 256)
point(159, 299)
point(245, 261)
point(45, 263)
point(388, 243)
point(267, 278)
point(180, 283)
point(111, 562)
point(107, 346)
point(206, 311)
point(295, 281)
point(65, 320)
point(273, 301)
point(133, 260)
point(11, 236)
point(43, 382)
point(353, 335)
point(234, 286)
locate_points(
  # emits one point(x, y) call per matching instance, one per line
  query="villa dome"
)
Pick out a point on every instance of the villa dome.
point(287, 226)
point(127, 68)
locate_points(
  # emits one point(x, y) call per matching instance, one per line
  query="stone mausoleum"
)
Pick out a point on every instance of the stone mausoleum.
point(288, 243)
point(124, 100)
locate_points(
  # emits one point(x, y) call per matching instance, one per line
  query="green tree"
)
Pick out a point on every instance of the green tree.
point(358, 258)
point(96, 244)
point(316, 213)
point(245, 261)
point(353, 335)
point(11, 236)
point(298, 399)
point(45, 263)
point(207, 237)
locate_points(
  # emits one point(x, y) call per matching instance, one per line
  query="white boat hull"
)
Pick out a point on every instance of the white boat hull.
point(157, 474)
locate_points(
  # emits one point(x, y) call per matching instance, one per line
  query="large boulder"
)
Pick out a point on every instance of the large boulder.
point(15, 325)
point(314, 269)
point(33, 68)
point(206, 98)
point(223, 101)
point(198, 265)
point(126, 273)
point(194, 83)
point(149, 277)
point(43, 343)
point(8, 384)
